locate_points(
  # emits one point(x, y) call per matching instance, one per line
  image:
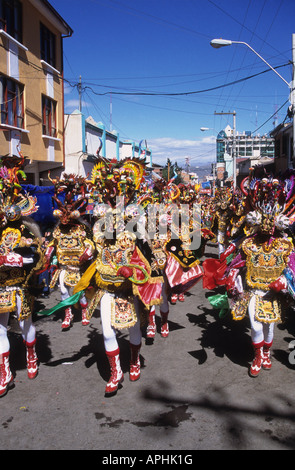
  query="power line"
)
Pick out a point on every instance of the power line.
point(237, 21)
point(185, 93)
point(276, 111)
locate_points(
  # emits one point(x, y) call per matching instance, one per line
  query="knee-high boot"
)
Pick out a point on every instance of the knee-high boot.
point(266, 362)
point(257, 361)
point(134, 373)
point(151, 328)
point(6, 377)
point(117, 376)
point(67, 323)
point(85, 320)
point(32, 359)
point(164, 324)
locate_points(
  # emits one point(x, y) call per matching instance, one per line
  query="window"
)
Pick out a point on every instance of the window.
point(47, 45)
point(11, 18)
point(12, 103)
point(48, 117)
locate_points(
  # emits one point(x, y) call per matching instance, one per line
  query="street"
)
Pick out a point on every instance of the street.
point(194, 392)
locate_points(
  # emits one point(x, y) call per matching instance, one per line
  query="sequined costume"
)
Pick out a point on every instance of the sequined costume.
point(178, 245)
point(223, 215)
point(262, 269)
point(71, 247)
point(120, 281)
point(20, 259)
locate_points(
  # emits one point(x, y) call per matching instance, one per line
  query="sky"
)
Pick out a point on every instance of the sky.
point(149, 73)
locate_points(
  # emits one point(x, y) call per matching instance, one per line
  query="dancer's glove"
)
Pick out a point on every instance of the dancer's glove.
point(279, 284)
point(124, 271)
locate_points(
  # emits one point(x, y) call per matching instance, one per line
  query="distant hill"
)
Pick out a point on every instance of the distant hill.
point(202, 171)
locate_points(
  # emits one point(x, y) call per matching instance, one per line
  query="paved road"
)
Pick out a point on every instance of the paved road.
point(194, 393)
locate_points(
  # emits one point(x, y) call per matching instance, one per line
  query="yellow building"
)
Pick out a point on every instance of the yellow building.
point(31, 84)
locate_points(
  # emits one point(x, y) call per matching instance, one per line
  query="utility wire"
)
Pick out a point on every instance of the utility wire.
point(237, 21)
point(185, 93)
point(265, 122)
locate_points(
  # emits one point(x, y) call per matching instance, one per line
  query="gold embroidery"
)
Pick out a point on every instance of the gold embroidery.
point(267, 311)
point(70, 245)
point(93, 304)
point(123, 313)
point(239, 307)
point(7, 301)
point(265, 262)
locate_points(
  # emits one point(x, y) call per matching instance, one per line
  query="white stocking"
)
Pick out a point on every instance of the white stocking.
point(259, 331)
point(109, 334)
point(26, 326)
point(4, 343)
point(63, 289)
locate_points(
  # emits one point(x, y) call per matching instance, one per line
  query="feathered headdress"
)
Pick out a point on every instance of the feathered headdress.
point(73, 188)
point(270, 200)
point(111, 179)
point(13, 203)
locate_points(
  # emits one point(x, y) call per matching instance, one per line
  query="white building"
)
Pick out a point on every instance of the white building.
point(248, 146)
point(84, 138)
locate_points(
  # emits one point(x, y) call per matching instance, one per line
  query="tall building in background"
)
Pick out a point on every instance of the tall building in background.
point(31, 84)
point(255, 149)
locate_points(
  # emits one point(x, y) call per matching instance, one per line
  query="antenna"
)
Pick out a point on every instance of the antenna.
point(275, 121)
point(80, 94)
point(111, 112)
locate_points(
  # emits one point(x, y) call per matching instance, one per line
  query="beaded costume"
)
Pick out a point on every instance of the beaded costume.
point(262, 268)
point(223, 215)
point(71, 243)
point(20, 259)
point(120, 281)
point(177, 256)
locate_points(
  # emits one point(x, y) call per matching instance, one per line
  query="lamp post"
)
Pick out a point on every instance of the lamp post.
point(217, 43)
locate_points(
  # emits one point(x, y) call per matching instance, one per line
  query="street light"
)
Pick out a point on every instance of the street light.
point(217, 43)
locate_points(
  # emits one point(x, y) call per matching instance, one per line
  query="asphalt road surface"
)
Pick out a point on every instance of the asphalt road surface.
point(194, 392)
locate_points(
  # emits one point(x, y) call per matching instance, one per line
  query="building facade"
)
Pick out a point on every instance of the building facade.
point(31, 84)
point(245, 146)
point(85, 139)
point(283, 135)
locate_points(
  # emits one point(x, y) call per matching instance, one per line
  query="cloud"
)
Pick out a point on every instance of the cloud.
point(199, 151)
point(71, 105)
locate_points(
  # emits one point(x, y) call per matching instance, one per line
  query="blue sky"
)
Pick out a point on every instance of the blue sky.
point(148, 70)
